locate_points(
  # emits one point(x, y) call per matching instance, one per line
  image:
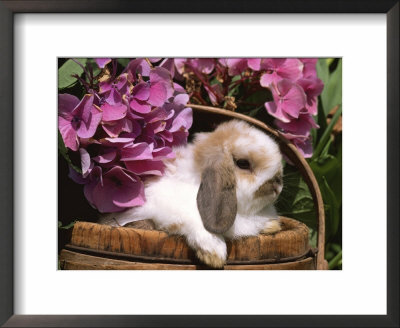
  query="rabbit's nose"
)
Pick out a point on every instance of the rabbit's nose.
point(277, 184)
point(277, 187)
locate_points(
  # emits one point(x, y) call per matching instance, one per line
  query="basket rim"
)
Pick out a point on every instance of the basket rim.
point(95, 239)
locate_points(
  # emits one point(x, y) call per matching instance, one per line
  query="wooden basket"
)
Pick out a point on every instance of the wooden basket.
point(94, 246)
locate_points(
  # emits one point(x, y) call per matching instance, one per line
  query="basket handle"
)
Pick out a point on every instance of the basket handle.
point(293, 154)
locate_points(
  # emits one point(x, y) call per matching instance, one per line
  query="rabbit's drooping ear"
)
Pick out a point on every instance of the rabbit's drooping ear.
point(216, 198)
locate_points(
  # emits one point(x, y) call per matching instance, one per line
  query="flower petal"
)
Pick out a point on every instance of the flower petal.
point(268, 78)
point(205, 65)
point(294, 100)
point(130, 195)
point(290, 69)
point(141, 91)
point(138, 66)
point(276, 111)
point(303, 145)
point(76, 177)
point(236, 65)
point(68, 134)
point(135, 152)
point(87, 129)
point(160, 74)
point(300, 126)
point(163, 152)
point(167, 136)
point(85, 162)
point(140, 106)
point(66, 104)
point(180, 64)
point(179, 138)
point(183, 120)
point(146, 167)
point(114, 97)
point(106, 157)
point(309, 69)
point(158, 114)
point(84, 108)
point(117, 142)
point(95, 178)
point(181, 99)
point(102, 62)
point(158, 94)
point(254, 63)
point(113, 112)
point(168, 64)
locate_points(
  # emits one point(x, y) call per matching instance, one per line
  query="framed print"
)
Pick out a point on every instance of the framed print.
point(107, 47)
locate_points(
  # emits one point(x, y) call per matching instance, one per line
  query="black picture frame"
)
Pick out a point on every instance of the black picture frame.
point(7, 11)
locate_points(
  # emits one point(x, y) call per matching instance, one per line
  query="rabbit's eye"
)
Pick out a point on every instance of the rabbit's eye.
point(243, 164)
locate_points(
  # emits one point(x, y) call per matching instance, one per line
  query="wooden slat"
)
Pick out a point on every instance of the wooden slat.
point(292, 241)
point(76, 261)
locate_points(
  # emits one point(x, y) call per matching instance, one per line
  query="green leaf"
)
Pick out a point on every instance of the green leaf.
point(329, 61)
point(321, 119)
point(324, 153)
point(68, 226)
point(314, 137)
point(332, 93)
point(330, 168)
point(234, 90)
point(335, 261)
point(323, 70)
point(325, 167)
point(65, 72)
point(63, 151)
point(260, 97)
point(123, 61)
point(327, 134)
point(236, 78)
point(96, 69)
point(335, 179)
point(254, 112)
point(332, 210)
point(336, 247)
point(313, 236)
point(296, 201)
point(61, 146)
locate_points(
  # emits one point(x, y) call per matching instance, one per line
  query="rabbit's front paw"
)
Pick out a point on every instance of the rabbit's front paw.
point(211, 259)
point(209, 248)
point(271, 227)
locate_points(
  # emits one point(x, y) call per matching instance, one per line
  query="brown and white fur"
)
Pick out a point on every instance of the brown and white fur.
point(223, 185)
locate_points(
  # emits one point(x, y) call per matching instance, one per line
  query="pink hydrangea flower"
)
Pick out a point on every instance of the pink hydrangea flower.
point(309, 69)
point(312, 87)
point(124, 137)
point(102, 62)
point(114, 190)
point(280, 68)
point(77, 119)
point(202, 65)
point(302, 143)
point(289, 100)
point(300, 126)
point(113, 89)
point(235, 65)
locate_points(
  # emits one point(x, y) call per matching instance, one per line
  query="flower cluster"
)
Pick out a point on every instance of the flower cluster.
point(127, 122)
point(293, 83)
point(123, 128)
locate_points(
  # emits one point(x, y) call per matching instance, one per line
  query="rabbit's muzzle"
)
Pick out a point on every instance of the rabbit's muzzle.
point(272, 187)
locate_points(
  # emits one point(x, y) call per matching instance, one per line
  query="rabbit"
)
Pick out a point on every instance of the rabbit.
point(222, 185)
